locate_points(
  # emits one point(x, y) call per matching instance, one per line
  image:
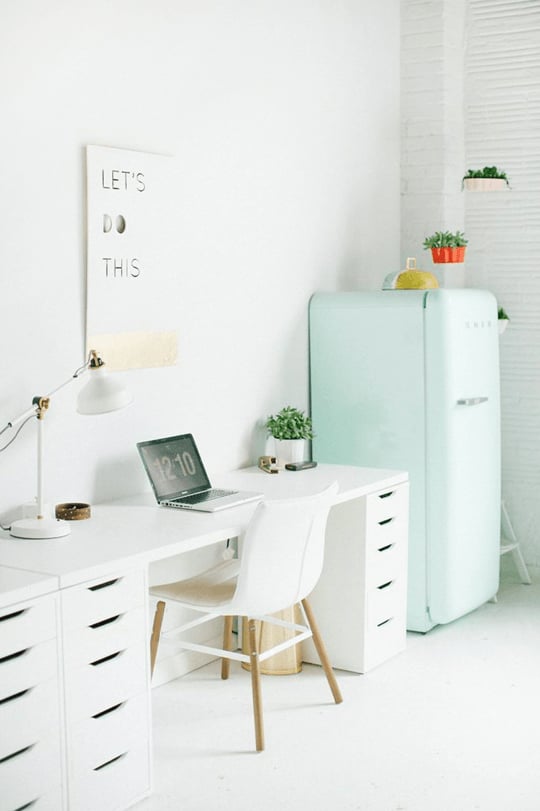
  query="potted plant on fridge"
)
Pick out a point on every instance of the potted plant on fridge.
point(487, 179)
point(446, 246)
point(503, 319)
point(290, 429)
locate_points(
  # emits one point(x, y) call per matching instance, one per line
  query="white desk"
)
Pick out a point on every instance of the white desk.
point(90, 590)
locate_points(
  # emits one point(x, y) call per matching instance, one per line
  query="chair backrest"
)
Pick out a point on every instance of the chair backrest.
point(282, 553)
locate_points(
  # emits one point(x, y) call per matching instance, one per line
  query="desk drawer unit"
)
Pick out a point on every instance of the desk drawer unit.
point(107, 692)
point(30, 720)
point(360, 601)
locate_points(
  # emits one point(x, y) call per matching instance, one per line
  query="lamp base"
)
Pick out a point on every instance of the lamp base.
point(39, 528)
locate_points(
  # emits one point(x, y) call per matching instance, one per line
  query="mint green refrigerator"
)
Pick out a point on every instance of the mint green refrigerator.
point(409, 380)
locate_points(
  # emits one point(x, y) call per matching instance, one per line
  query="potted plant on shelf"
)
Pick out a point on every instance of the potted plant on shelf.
point(503, 319)
point(487, 179)
point(446, 247)
point(290, 429)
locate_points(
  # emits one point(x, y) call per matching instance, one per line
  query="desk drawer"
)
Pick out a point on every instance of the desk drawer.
point(386, 563)
point(383, 641)
point(27, 667)
point(385, 602)
point(28, 716)
point(92, 688)
point(26, 624)
point(48, 800)
point(29, 774)
point(105, 637)
point(393, 530)
point(101, 599)
point(387, 504)
point(115, 783)
point(99, 739)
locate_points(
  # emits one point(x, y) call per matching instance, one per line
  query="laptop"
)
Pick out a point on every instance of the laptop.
point(178, 478)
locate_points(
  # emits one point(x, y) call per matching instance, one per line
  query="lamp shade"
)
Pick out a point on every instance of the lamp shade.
point(102, 393)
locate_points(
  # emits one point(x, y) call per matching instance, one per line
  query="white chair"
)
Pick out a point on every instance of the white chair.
point(280, 563)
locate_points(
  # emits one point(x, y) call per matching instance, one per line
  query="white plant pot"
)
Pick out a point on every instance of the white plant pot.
point(503, 323)
point(289, 450)
point(484, 184)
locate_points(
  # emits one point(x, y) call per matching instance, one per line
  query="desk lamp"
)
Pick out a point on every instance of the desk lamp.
point(100, 395)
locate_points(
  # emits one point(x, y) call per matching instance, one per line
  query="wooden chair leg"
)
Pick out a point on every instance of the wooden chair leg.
point(227, 645)
point(256, 685)
point(323, 656)
point(156, 632)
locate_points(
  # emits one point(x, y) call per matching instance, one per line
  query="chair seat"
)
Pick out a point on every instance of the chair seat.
point(209, 590)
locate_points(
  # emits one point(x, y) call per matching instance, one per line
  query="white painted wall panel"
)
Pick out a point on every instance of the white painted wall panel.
point(432, 124)
point(282, 123)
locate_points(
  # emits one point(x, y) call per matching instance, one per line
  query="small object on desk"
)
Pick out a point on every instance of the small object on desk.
point(268, 464)
point(74, 511)
point(300, 465)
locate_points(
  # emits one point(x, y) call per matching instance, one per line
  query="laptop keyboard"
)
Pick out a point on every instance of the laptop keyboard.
point(208, 495)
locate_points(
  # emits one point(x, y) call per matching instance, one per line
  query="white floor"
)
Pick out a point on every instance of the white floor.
point(451, 724)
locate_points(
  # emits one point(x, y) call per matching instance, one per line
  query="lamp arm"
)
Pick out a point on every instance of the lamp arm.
point(92, 360)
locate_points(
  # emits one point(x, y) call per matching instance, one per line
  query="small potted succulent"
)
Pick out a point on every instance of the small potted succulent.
point(446, 246)
point(487, 179)
point(503, 319)
point(290, 429)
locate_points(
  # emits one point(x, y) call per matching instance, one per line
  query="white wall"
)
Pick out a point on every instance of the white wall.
point(282, 120)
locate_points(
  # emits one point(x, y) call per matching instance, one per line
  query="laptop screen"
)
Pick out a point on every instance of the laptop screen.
point(174, 466)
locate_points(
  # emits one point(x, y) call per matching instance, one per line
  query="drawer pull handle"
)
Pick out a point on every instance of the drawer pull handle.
point(471, 401)
point(15, 696)
point(110, 762)
point(385, 585)
point(101, 623)
point(17, 753)
point(385, 495)
point(385, 548)
point(13, 655)
point(108, 710)
point(106, 658)
point(104, 585)
point(384, 622)
point(26, 805)
point(13, 615)
point(386, 521)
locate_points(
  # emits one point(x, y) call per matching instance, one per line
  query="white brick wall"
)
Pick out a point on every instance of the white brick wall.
point(470, 98)
point(502, 96)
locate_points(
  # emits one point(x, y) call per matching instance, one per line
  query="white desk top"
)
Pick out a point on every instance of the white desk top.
point(17, 585)
point(136, 531)
point(354, 482)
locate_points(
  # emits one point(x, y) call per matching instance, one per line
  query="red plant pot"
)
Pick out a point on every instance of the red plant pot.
point(443, 255)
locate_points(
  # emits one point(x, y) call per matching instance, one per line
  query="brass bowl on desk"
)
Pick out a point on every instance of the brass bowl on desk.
point(72, 511)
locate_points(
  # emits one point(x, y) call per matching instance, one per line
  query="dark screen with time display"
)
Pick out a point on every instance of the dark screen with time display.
point(174, 466)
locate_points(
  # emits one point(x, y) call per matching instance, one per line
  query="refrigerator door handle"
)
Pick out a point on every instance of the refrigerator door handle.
point(470, 401)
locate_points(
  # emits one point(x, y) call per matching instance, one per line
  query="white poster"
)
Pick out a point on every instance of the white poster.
point(130, 317)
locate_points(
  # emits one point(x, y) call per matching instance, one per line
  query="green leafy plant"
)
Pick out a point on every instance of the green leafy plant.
point(487, 172)
point(445, 239)
point(290, 423)
point(502, 315)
